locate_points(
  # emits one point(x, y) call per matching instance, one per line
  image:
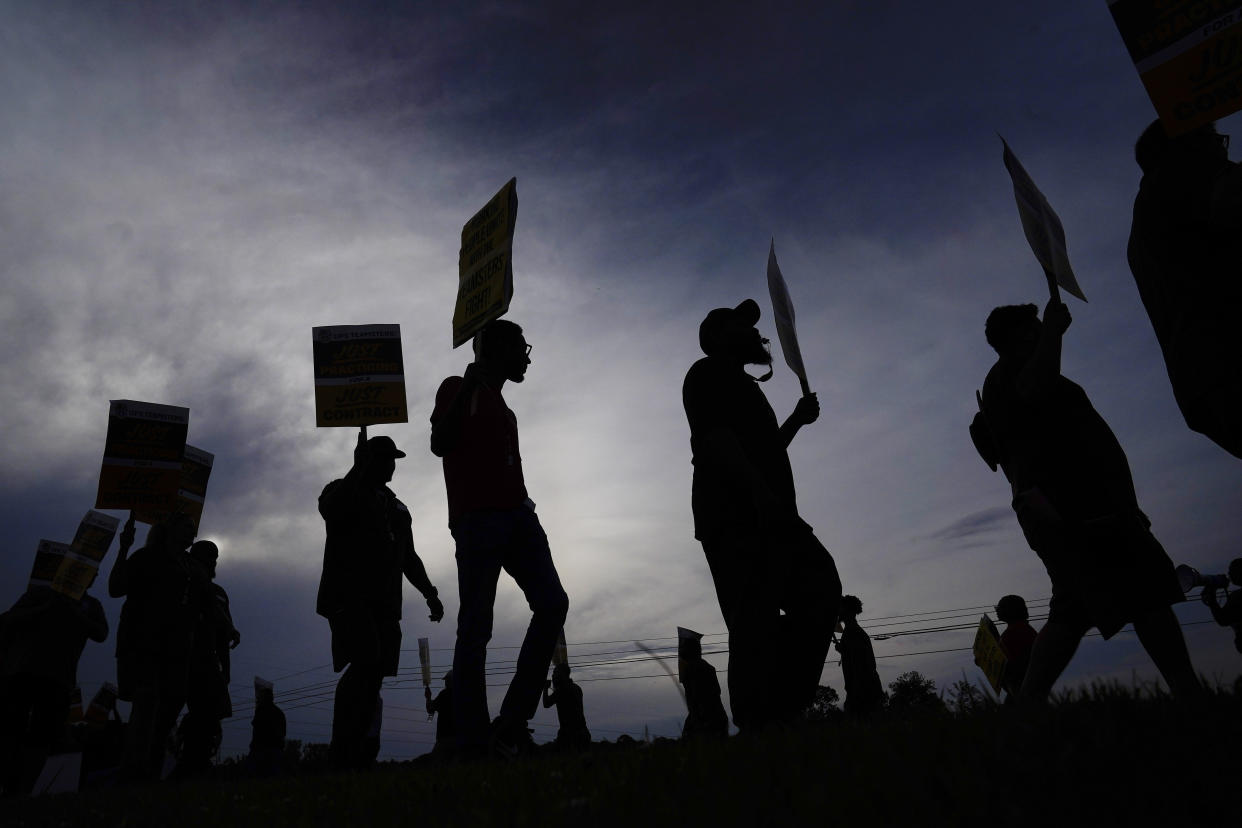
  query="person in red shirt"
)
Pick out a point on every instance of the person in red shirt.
point(1016, 640)
point(494, 524)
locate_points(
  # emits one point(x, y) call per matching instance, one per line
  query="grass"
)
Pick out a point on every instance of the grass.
point(1106, 756)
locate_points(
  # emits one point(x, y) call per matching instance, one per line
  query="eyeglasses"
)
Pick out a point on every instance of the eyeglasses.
point(529, 348)
point(1224, 141)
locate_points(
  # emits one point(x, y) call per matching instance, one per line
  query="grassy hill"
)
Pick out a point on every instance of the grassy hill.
point(1108, 757)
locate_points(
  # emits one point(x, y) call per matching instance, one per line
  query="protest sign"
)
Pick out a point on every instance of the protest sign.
point(1188, 54)
point(75, 575)
point(424, 660)
point(359, 375)
point(485, 265)
point(783, 315)
point(1042, 228)
point(560, 655)
point(988, 653)
point(192, 493)
point(94, 535)
point(687, 642)
point(142, 456)
point(48, 557)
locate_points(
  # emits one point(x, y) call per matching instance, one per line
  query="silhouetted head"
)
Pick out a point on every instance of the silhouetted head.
point(1013, 330)
point(850, 606)
point(502, 348)
point(731, 333)
point(380, 459)
point(1012, 608)
point(1235, 571)
point(175, 532)
point(1202, 147)
point(206, 553)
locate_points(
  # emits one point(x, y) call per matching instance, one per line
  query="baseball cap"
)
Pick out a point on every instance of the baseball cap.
point(383, 447)
point(718, 320)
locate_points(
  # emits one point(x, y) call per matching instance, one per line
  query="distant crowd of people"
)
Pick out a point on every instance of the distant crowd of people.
point(777, 585)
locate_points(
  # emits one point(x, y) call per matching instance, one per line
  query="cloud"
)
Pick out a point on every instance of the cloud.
point(975, 528)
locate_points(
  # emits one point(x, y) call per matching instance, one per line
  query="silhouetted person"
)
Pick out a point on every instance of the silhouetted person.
point(207, 697)
point(566, 696)
point(494, 524)
point(864, 694)
point(1016, 641)
point(370, 545)
point(1075, 502)
point(1230, 615)
point(371, 742)
point(165, 593)
point(442, 707)
point(41, 639)
point(763, 557)
point(705, 713)
point(1185, 253)
point(267, 734)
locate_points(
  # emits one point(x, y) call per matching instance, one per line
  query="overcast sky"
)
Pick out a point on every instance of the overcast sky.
point(187, 189)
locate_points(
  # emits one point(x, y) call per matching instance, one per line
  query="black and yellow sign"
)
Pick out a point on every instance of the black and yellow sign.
point(142, 456)
point(359, 376)
point(1188, 54)
point(988, 653)
point(94, 535)
point(485, 265)
point(192, 493)
point(48, 558)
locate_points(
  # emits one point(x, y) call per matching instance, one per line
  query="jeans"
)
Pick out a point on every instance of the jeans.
point(775, 660)
point(487, 542)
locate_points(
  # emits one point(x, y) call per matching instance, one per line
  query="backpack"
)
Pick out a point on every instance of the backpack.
point(981, 435)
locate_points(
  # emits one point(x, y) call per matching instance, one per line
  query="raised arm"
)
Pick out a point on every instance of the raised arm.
point(1041, 371)
point(118, 579)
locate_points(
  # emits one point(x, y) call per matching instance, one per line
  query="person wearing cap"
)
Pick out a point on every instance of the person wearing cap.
point(207, 699)
point(1185, 251)
point(495, 527)
point(763, 557)
point(370, 545)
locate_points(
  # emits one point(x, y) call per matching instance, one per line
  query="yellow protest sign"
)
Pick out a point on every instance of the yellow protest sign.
point(48, 557)
point(359, 375)
point(142, 456)
point(988, 653)
point(485, 265)
point(75, 575)
point(560, 655)
point(1188, 54)
point(94, 535)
